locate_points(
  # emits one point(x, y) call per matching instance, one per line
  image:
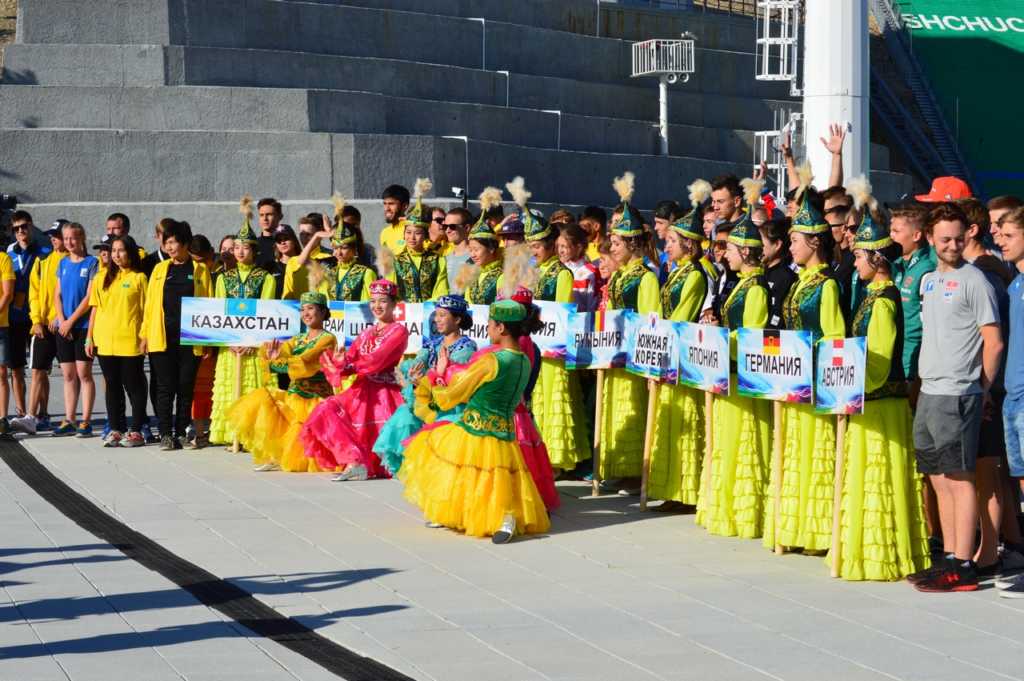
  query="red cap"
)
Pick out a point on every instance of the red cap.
point(946, 189)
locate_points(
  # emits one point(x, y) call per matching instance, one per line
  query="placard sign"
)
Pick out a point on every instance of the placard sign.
point(335, 324)
point(775, 365)
point(478, 332)
point(651, 347)
point(237, 322)
point(358, 317)
point(551, 339)
point(842, 364)
point(595, 340)
point(704, 357)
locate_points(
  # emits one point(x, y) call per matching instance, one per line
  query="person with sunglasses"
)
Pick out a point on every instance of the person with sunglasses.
point(456, 225)
point(843, 225)
point(437, 235)
point(23, 254)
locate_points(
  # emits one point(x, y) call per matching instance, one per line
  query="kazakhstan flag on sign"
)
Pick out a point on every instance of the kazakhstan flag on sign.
point(240, 307)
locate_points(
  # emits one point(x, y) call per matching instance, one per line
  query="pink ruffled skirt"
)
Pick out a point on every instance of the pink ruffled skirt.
point(535, 455)
point(343, 428)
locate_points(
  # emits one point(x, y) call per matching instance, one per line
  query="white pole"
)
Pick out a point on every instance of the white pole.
point(663, 114)
point(836, 83)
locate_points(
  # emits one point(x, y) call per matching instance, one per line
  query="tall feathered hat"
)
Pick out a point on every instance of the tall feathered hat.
point(691, 225)
point(872, 234)
point(343, 234)
point(745, 232)
point(245, 232)
point(489, 198)
point(630, 225)
point(808, 219)
point(415, 215)
point(535, 228)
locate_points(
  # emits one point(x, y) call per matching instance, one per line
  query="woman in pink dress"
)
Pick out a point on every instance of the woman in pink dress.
point(341, 431)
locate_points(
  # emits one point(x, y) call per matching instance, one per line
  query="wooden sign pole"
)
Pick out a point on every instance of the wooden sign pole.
point(235, 445)
point(709, 444)
point(598, 415)
point(777, 474)
point(835, 553)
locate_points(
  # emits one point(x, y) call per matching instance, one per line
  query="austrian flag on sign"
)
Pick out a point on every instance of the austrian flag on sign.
point(837, 352)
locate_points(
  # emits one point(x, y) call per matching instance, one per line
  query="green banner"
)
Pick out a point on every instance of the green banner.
point(973, 53)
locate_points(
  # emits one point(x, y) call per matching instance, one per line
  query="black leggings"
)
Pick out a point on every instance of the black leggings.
point(124, 374)
point(175, 374)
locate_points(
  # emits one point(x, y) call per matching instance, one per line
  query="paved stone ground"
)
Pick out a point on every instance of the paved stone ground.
point(610, 594)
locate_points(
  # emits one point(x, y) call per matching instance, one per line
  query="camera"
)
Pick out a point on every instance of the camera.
point(8, 202)
point(458, 192)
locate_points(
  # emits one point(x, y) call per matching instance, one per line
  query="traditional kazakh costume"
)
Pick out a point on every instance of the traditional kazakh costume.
point(405, 422)
point(341, 431)
point(420, 276)
point(557, 397)
point(268, 420)
point(883, 535)
point(248, 282)
point(741, 431)
point(677, 450)
point(808, 439)
point(470, 475)
point(624, 397)
point(484, 289)
point(345, 281)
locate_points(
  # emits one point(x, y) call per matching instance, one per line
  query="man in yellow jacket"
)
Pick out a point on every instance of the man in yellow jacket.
point(42, 314)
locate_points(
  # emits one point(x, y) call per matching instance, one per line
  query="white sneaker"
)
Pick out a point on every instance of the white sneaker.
point(1005, 581)
point(354, 472)
point(432, 525)
point(24, 424)
point(507, 531)
point(267, 467)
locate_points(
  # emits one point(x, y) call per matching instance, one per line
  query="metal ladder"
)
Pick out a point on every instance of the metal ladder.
point(942, 154)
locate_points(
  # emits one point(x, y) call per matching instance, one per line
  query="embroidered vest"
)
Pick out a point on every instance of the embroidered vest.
point(250, 287)
point(672, 291)
point(735, 304)
point(416, 285)
point(311, 386)
point(896, 384)
point(801, 311)
point(350, 286)
point(547, 282)
point(484, 290)
point(491, 409)
point(624, 287)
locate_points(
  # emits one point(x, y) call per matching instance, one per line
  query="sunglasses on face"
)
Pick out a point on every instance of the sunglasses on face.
point(24, 227)
point(439, 221)
point(449, 226)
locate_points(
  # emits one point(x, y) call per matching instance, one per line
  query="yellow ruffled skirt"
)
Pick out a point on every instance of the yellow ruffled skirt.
point(623, 422)
point(740, 463)
point(268, 422)
point(808, 470)
point(556, 406)
point(883, 535)
point(255, 374)
point(677, 451)
point(469, 482)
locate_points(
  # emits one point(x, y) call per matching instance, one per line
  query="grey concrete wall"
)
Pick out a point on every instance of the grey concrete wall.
point(84, 65)
point(108, 22)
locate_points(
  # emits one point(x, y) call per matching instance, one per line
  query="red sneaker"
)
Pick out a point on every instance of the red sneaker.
point(954, 578)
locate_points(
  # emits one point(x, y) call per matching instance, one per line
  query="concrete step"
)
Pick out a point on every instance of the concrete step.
point(45, 165)
point(387, 34)
point(269, 109)
point(153, 65)
point(171, 21)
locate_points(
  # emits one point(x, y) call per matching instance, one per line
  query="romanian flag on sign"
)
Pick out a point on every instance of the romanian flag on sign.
point(240, 307)
point(837, 352)
point(599, 320)
point(772, 342)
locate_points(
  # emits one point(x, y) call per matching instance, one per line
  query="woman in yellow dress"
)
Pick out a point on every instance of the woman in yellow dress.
point(882, 531)
point(624, 397)
point(470, 475)
point(678, 440)
point(268, 420)
point(486, 254)
point(741, 444)
point(244, 280)
point(808, 439)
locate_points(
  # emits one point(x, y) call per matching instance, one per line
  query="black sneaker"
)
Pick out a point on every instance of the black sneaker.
point(953, 578)
point(990, 570)
point(938, 565)
point(5, 429)
point(168, 443)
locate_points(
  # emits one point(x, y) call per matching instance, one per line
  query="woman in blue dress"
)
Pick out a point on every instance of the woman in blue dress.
point(450, 318)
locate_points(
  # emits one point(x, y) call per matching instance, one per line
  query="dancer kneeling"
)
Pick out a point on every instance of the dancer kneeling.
point(470, 475)
point(268, 420)
point(342, 429)
point(450, 318)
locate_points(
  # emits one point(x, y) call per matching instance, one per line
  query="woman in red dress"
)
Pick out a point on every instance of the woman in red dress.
point(341, 431)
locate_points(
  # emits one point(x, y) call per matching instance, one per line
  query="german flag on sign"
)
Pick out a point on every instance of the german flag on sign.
point(772, 342)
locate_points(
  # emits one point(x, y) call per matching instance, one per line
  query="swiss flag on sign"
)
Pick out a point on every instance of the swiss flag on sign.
point(400, 312)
